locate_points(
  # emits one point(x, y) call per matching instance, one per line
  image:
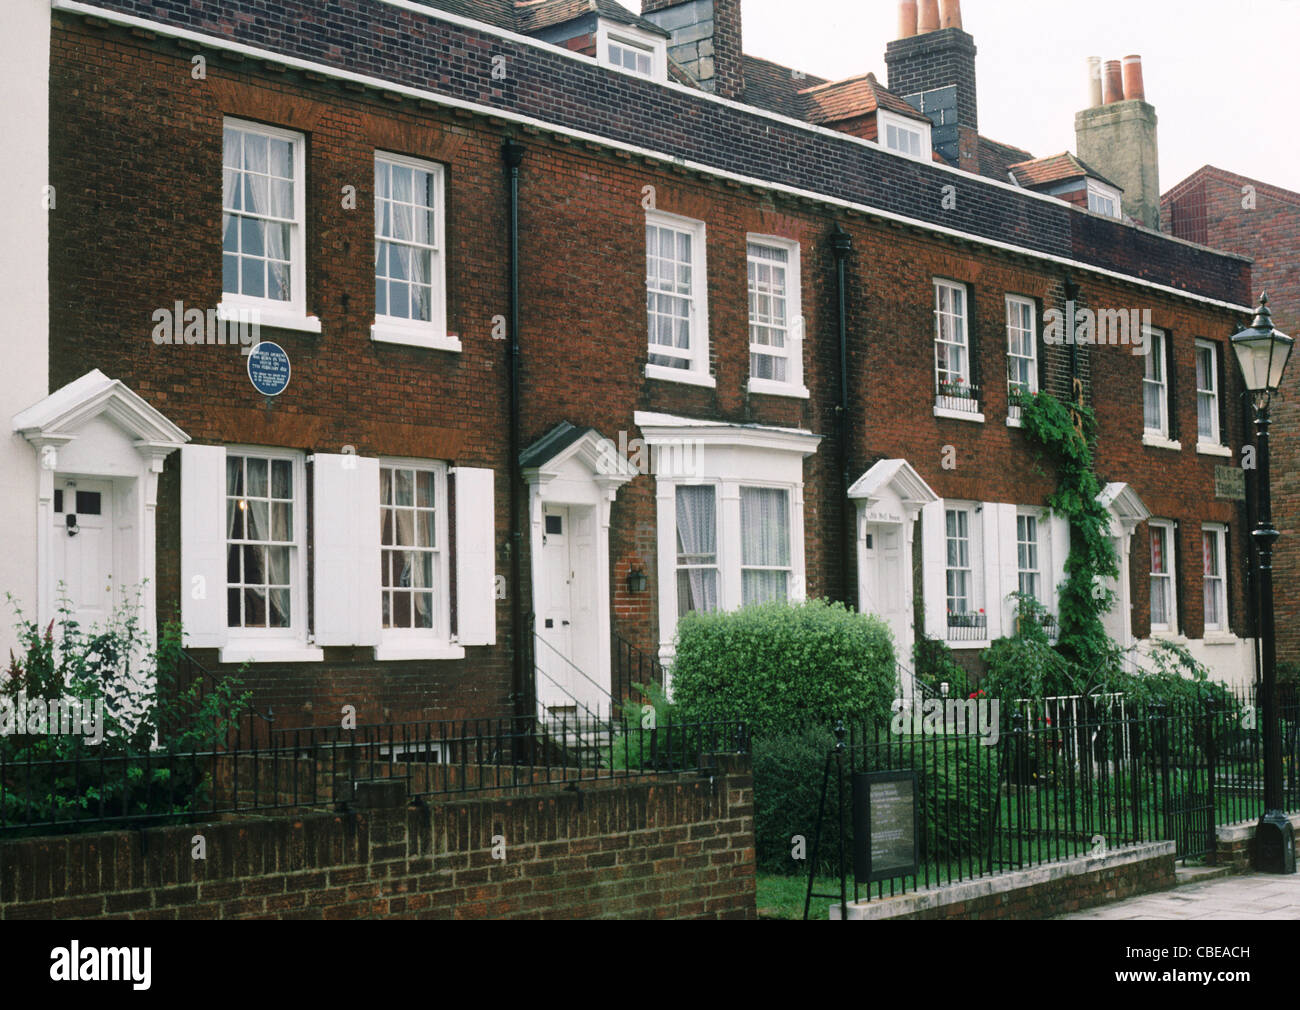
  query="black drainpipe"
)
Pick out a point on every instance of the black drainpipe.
point(842, 245)
point(521, 692)
point(1072, 291)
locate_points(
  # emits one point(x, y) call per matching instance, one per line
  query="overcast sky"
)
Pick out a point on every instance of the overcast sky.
point(1224, 75)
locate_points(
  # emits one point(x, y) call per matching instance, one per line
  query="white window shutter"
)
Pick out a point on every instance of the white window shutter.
point(476, 619)
point(1008, 564)
point(345, 503)
point(1059, 528)
point(934, 555)
point(203, 546)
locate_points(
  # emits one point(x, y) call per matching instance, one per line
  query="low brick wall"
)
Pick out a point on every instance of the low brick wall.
point(673, 847)
point(1040, 893)
point(1236, 845)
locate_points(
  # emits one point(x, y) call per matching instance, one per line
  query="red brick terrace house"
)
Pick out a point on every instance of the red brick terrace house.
point(593, 320)
point(1224, 210)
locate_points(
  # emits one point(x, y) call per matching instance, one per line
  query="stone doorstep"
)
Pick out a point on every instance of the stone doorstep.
point(973, 890)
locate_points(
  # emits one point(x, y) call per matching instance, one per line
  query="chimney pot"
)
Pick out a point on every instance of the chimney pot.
point(1094, 81)
point(1113, 83)
point(907, 14)
point(950, 13)
point(928, 20)
point(1133, 84)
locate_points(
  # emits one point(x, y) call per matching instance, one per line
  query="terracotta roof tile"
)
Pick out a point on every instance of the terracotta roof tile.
point(854, 97)
point(1057, 168)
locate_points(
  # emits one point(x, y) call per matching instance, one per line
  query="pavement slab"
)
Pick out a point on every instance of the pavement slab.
point(1255, 896)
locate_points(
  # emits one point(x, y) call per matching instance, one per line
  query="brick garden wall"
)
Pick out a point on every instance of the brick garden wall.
point(676, 847)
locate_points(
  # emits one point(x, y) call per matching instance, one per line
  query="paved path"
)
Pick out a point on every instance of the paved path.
point(1249, 897)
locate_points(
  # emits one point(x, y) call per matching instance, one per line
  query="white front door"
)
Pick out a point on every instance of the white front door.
point(83, 549)
point(884, 584)
point(555, 619)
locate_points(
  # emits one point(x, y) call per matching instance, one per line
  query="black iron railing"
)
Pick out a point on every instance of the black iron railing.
point(1060, 779)
point(968, 627)
point(75, 786)
point(632, 666)
point(958, 396)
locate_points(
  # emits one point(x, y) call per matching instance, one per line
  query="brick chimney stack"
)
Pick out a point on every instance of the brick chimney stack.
point(1118, 138)
point(706, 40)
point(934, 69)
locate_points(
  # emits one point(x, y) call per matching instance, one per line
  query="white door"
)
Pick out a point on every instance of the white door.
point(83, 549)
point(555, 621)
point(884, 585)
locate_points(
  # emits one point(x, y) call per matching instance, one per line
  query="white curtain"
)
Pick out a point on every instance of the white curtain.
point(697, 547)
point(765, 545)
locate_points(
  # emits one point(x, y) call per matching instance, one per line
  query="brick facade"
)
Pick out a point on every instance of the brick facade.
point(1228, 211)
point(137, 155)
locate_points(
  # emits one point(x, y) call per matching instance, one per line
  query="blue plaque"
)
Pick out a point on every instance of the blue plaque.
point(268, 368)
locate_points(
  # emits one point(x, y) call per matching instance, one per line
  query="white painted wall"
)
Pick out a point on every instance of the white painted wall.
point(24, 286)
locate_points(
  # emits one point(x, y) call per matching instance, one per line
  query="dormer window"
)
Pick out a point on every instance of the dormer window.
point(909, 137)
point(1103, 199)
point(632, 50)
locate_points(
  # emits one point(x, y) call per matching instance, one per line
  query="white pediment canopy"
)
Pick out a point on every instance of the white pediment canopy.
point(56, 419)
point(565, 446)
point(893, 478)
point(1124, 505)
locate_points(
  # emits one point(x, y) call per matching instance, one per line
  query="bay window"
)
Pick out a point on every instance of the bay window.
point(765, 545)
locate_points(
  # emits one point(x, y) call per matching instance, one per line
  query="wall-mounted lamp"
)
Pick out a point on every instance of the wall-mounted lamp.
point(636, 581)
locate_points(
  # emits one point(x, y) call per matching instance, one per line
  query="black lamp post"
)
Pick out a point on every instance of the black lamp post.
point(1263, 353)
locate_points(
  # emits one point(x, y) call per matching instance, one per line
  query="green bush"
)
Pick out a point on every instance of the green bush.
point(146, 715)
point(936, 665)
point(777, 666)
point(957, 782)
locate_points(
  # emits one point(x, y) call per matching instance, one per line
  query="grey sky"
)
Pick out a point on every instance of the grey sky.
point(1215, 106)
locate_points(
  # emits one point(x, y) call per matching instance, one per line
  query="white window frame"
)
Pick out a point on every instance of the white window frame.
point(794, 330)
point(1169, 575)
point(291, 315)
point(974, 568)
point(414, 332)
point(1214, 444)
point(243, 642)
point(950, 406)
point(1099, 191)
point(397, 641)
point(716, 567)
point(912, 127)
point(631, 37)
point(788, 569)
point(1023, 518)
point(1158, 354)
point(697, 374)
point(1013, 354)
point(1218, 534)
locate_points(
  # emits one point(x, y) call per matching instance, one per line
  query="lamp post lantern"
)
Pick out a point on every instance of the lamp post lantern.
point(1263, 353)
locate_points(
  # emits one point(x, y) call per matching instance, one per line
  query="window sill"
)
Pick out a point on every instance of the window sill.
point(1161, 442)
point(767, 387)
point(382, 333)
point(986, 643)
point(1212, 638)
point(1173, 637)
point(400, 652)
point(681, 375)
point(1015, 422)
point(269, 652)
point(1209, 449)
point(959, 415)
point(275, 319)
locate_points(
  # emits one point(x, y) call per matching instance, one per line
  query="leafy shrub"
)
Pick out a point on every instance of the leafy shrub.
point(957, 783)
point(146, 715)
point(936, 665)
point(777, 666)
